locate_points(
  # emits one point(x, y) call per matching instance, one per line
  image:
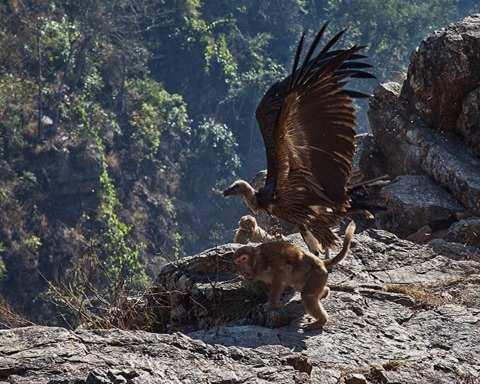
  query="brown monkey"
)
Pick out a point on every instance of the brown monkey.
point(280, 264)
point(249, 231)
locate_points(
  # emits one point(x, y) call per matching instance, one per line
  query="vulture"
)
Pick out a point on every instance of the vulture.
point(307, 121)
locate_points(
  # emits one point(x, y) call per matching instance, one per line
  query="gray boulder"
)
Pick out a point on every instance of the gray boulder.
point(424, 125)
point(415, 201)
point(468, 122)
point(465, 232)
point(443, 70)
point(411, 147)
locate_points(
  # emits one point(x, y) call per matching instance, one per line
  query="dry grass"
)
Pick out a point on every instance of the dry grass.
point(392, 365)
point(9, 318)
point(90, 308)
point(88, 298)
point(93, 307)
point(422, 296)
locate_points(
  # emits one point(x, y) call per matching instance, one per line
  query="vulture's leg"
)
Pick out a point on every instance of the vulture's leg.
point(364, 212)
point(312, 243)
point(327, 253)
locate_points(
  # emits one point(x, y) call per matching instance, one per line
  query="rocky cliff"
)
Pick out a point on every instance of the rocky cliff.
point(424, 135)
point(399, 313)
point(405, 304)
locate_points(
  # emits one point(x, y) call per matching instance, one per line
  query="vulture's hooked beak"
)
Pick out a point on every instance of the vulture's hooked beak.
point(229, 191)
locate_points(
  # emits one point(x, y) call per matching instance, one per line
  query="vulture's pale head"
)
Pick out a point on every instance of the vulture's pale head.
point(239, 188)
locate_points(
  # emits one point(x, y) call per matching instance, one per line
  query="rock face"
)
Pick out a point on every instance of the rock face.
point(399, 313)
point(410, 147)
point(430, 126)
point(444, 69)
point(468, 123)
point(465, 232)
point(416, 201)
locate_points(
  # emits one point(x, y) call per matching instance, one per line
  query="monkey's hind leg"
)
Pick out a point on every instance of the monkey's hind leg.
point(314, 290)
point(325, 294)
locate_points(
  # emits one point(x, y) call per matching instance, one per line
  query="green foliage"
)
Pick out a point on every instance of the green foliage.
point(153, 113)
point(218, 50)
point(214, 144)
point(123, 261)
point(177, 245)
point(33, 243)
point(57, 38)
point(29, 181)
point(15, 110)
point(391, 29)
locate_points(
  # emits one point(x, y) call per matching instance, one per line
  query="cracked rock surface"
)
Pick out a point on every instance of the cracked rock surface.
point(399, 312)
point(54, 355)
point(415, 201)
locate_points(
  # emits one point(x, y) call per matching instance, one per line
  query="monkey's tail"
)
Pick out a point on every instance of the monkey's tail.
point(349, 231)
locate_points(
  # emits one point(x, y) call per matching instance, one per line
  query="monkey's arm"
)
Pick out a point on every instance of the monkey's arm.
point(260, 236)
point(241, 237)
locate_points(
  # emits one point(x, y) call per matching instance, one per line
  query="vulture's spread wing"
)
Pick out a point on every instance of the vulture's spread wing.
point(308, 126)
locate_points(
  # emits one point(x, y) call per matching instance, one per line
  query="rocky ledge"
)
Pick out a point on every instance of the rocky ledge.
point(400, 312)
point(57, 356)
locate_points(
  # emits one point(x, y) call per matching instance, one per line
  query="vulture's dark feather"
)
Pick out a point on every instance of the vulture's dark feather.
point(329, 66)
point(354, 64)
point(356, 94)
point(312, 48)
point(354, 73)
point(307, 122)
point(296, 61)
point(323, 57)
point(332, 41)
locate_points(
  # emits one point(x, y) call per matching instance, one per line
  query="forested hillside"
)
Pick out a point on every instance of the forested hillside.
point(120, 121)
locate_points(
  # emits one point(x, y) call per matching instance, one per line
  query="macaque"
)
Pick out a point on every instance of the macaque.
point(280, 265)
point(249, 231)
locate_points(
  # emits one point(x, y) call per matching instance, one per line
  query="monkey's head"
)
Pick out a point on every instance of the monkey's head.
point(239, 188)
point(244, 259)
point(247, 223)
